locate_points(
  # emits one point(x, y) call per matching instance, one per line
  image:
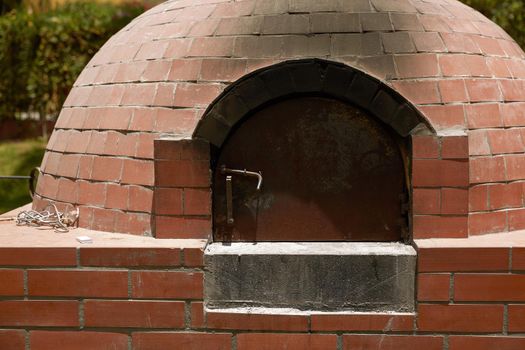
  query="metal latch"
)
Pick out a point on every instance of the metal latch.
point(229, 190)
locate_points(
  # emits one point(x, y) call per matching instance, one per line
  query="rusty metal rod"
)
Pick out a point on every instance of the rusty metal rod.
point(244, 172)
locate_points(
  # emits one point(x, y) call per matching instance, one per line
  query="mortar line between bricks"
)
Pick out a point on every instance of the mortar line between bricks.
point(505, 319)
point(130, 285)
point(234, 341)
point(26, 284)
point(451, 289)
point(339, 342)
point(445, 342)
point(187, 314)
point(510, 259)
point(81, 314)
point(27, 340)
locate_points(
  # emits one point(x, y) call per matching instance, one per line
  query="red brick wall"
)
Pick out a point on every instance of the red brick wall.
point(152, 298)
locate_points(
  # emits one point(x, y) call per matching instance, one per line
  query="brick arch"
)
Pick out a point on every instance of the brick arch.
point(301, 77)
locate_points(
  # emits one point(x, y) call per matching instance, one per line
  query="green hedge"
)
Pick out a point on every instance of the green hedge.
point(509, 14)
point(41, 54)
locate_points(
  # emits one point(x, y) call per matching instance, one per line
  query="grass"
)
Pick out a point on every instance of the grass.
point(18, 158)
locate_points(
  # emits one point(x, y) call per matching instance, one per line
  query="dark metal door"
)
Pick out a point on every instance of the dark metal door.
point(330, 173)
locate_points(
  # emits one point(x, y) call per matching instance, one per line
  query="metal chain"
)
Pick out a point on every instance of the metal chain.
point(50, 217)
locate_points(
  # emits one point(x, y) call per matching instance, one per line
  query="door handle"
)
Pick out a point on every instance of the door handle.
point(229, 188)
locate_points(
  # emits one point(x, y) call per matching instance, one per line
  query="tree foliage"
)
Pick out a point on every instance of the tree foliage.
point(42, 53)
point(509, 14)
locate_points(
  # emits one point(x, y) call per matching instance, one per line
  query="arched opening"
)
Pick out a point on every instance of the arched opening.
point(330, 173)
point(331, 145)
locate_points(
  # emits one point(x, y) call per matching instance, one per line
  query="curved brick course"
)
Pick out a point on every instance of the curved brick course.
point(160, 73)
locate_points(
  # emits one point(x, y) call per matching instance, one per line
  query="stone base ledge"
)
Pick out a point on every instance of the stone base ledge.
point(361, 277)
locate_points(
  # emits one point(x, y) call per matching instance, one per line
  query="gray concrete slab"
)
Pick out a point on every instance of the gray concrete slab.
point(364, 277)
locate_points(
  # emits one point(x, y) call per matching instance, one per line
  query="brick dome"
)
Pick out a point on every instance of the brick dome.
point(158, 76)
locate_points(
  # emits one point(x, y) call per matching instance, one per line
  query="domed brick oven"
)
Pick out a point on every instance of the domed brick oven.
point(283, 174)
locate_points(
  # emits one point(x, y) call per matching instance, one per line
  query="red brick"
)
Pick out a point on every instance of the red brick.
point(37, 256)
point(498, 67)
point(182, 173)
point(197, 315)
point(156, 71)
point(79, 142)
point(433, 287)
point(454, 201)
point(479, 198)
point(140, 199)
point(139, 94)
point(197, 202)
point(177, 227)
point(268, 341)
point(454, 65)
point(168, 201)
point(460, 318)
point(164, 96)
point(518, 259)
point(438, 173)
point(417, 66)
point(453, 91)
point(68, 166)
point(116, 196)
point(133, 223)
point(103, 219)
point(512, 90)
point(226, 70)
point(166, 285)
point(489, 287)
point(143, 119)
point(483, 90)
point(11, 339)
point(91, 193)
point(505, 141)
point(490, 222)
point(138, 172)
point(425, 147)
point(39, 313)
point(481, 116)
point(362, 322)
point(186, 341)
point(517, 318)
point(145, 145)
point(513, 114)
point(457, 42)
point(85, 167)
point(457, 342)
point(445, 117)
point(515, 167)
point(47, 340)
point(67, 191)
point(11, 283)
point(487, 169)
point(64, 283)
point(419, 92)
point(463, 259)
point(193, 257)
point(115, 118)
point(516, 219)
point(175, 120)
point(454, 147)
point(196, 95)
point(488, 46)
point(255, 322)
point(106, 169)
point(440, 226)
point(391, 342)
point(134, 314)
point(506, 195)
point(426, 201)
point(130, 257)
